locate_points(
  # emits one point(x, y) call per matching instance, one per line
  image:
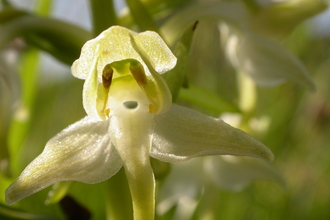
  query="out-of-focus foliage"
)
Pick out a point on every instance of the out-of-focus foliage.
point(38, 99)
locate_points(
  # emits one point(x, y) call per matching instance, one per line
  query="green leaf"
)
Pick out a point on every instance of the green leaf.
point(4, 3)
point(58, 191)
point(176, 77)
point(207, 100)
point(93, 197)
point(61, 39)
point(10, 214)
point(9, 14)
point(118, 201)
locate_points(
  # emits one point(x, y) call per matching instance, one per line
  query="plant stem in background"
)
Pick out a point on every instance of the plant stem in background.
point(103, 15)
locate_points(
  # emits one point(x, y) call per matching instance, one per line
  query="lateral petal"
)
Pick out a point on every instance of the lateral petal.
point(183, 133)
point(82, 152)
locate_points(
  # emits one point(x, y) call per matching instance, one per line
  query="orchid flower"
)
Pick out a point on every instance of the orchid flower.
point(185, 184)
point(252, 39)
point(129, 118)
point(256, 48)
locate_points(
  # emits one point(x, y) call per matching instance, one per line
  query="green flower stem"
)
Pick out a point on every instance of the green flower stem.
point(209, 200)
point(247, 99)
point(140, 176)
point(44, 7)
point(58, 192)
point(142, 185)
point(142, 16)
point(10, 91)
point(126, 20)
point(22, 117)
point(103, 15)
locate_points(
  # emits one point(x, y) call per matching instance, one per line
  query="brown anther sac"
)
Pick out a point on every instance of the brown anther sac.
point(107, 76)
point(107, 112)
point(151, 108)
point(139, 74)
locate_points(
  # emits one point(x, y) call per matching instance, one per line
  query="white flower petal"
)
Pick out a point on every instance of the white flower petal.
point(82, 152)
point(182, 188)
point(215, 10)
point(183, 133)
point(265, 61)
point(90, 93)
point(235, 173)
